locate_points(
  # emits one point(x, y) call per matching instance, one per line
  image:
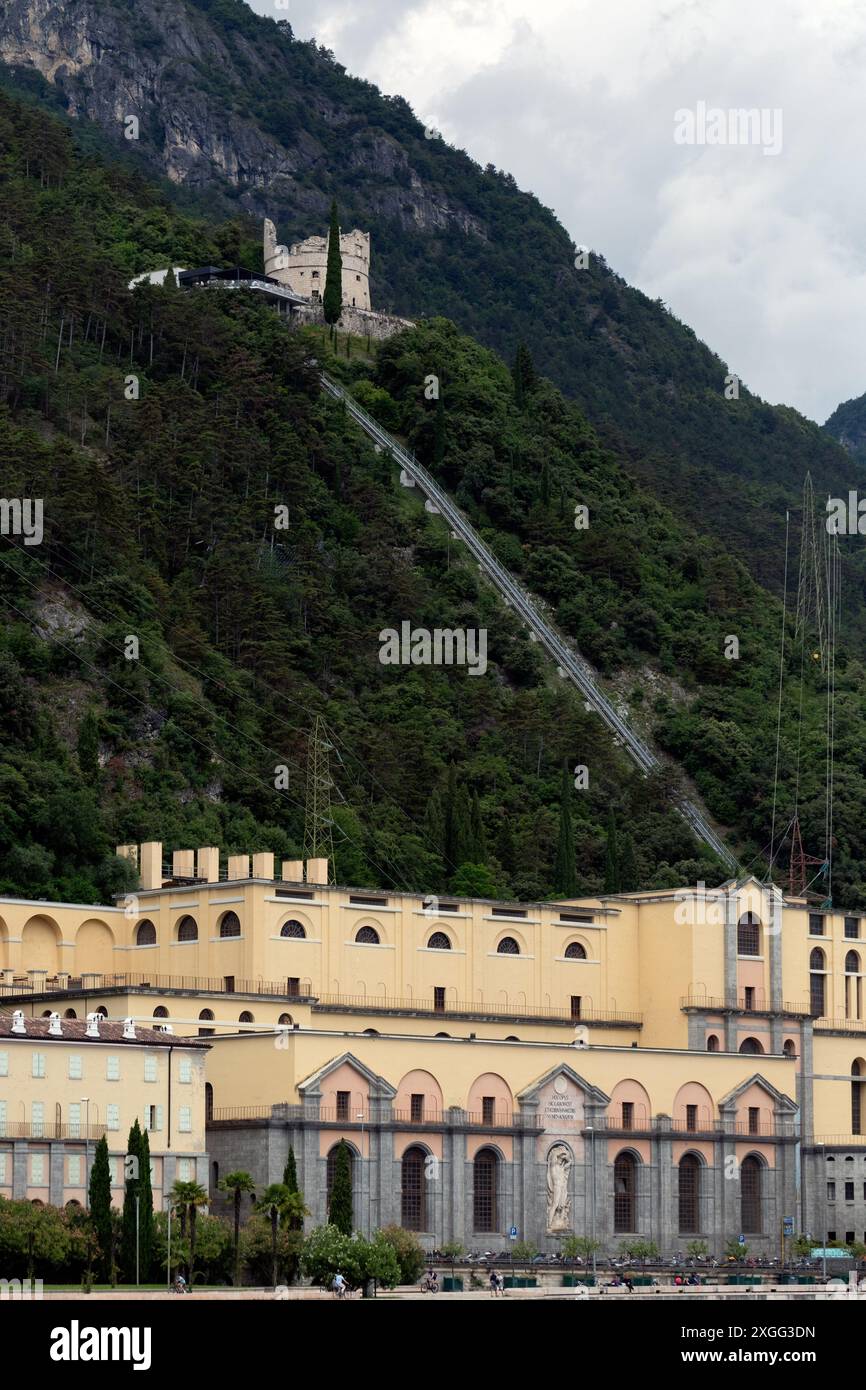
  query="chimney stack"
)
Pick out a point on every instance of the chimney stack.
point(317, 871)
point(18, 1024)
point(93, 1025)
point(209, 865)
point(239, 866)
point(263, 866)
point(183, 863)
point(54, 1029)
point(129, 1027)
point(293, 870)
point(150, 864)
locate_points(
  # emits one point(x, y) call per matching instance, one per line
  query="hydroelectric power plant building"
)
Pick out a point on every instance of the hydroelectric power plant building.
point(665, 1065)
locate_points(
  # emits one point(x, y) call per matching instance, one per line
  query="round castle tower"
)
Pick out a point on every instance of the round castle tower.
point(303, 266)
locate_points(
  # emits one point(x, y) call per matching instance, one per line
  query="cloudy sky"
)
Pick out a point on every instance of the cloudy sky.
point(763, 254)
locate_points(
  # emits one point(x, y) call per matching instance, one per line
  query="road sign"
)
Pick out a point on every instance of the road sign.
point(512, 1234)
point(742, 1240)
point(789, 1225)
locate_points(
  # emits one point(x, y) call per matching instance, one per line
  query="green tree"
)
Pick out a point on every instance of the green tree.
point(611, 859)
point(88, 746)
point(273, 1204)
point(697, 1249)
point(434, 820)
point(333, 297)
point(145, 1219)
point(130, 1238)
point(340, 1212)
point(629, 878)
point(564, 868)
point(328, 1251)
point(439, 434)
point(187, 1197)
point(523, 375)
point(408, 1249)
point(99, 1197)
point(290, 1172)
point(379, 1262)
point(478, 837)
point(237, 1184)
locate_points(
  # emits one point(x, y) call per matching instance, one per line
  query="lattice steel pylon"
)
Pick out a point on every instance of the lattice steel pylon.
point(811, 584)
point(318, 821)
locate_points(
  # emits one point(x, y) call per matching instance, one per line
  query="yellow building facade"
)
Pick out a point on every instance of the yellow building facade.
point(674, 1066)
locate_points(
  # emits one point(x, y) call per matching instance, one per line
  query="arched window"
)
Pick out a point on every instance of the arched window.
point(187, 929)
point(750, 1045)
point(206, 1015)
point(70, 1013)
point(413, 1193)
point(442, 1035)
point(690, 1194)
point(160, 1011)
point(853, 986)
point(371, 1033)
point(246, 1017)
point(575, 951)
point(145, 934)
point(285, 1019)
point(856, 1097)
point(295, 929)
point(712, 1043)
point(102, 1011)
point(208, 1099)
point(789, 1047)
point(749, 935)
point(816, 982)
point(512, 1038)
point(330, 1170)
point(508, 947)
point(485, 1184)
point(439, 942)
point(751, 1204)
point(367, 936)
point(230, 924)
point(46, 1013)
point(624, 1193)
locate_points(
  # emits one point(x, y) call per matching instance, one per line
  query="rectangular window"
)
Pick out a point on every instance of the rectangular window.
point(831, 1235)
point(754, 1119)
point(342, 1105)
point(628, 1114)
point(153, 1117)
point(816, 924)
point(439, 999)
point(849, 1192)
point(183, 1170)
point(368, 902)
point(2, 1170)
point(114, 1168)
point(575, 1005)
point(849, 1237)
point(691, 1118)
point(73, 1171)
point(37, 1170)
point(4, 1063)
point(508, 912)
point(852, 928)
point(417, 1111)
point(449, 907)
point(150, 1068)
point(488, 1110)
point(293, 986)
point(574, 917)
point(38, 1064)
point(112, 1068)
point(831, 1192)
point(37, 1119)
point(75, 1120)
point(185, 1119)
point(750, 997)
point(3, 1118)
point(112, 1117)
point(229, 983)
point(185, 1071)
point(76, 1068)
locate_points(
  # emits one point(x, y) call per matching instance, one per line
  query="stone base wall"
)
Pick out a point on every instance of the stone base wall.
point(362, 323)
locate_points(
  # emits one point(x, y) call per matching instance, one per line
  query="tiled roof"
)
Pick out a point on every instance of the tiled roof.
point(110, 1031)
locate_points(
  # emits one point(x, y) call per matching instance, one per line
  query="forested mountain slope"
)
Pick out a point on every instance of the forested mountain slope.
point(232, 109)
point(159, 525)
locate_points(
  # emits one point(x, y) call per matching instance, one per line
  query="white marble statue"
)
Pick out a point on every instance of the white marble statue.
point(559, 1164)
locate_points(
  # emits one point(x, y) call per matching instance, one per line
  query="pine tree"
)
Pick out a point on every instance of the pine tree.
point(611, 861)
point(340, 1205)
point(564, 871)
point(100, 1206)
point(333, 298)
point(478, 849)
point(629, 876)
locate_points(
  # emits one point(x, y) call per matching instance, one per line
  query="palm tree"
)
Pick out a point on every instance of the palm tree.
point(238, 1183)
point(189, 1196)
point(277, 1201)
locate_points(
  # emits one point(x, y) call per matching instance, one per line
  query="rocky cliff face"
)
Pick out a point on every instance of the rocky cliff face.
point(204, 99)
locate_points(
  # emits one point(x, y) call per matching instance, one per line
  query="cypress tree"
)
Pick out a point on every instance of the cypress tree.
point(629, 877)
point(333, 297)
point(523, 375)
point(340, 1205)
point(100, 1206)
point(506, 851)
point(448, 818)
point(477, 834)
point(434, 820)
point(564, 871)
point(290, 1172)
point(611, 862)
point(545, 484)
point(145, 1214)
point(439, 433)
point(461, 850)
point(127, 1233)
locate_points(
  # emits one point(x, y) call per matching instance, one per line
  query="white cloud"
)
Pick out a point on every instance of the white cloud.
point(764, 256)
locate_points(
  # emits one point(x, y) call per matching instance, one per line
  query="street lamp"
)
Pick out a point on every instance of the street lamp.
point(591, 1132)
point(365, 1167)
point(824, 1208)
point(85, 1101)
point(168, 1247)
